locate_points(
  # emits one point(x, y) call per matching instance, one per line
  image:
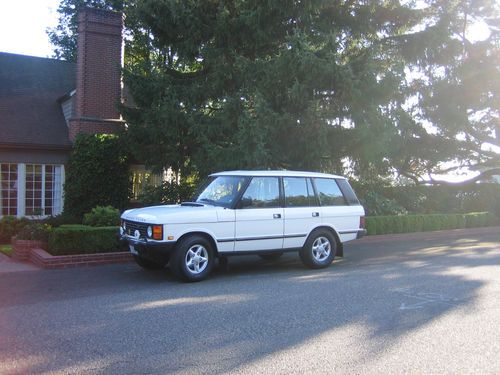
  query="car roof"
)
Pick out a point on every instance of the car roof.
point(276, 173)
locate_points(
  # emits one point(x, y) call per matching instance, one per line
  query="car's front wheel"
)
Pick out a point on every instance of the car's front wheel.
point(193, 259)
point(319, 250)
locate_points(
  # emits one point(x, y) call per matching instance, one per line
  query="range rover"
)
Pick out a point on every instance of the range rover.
point(247, 212)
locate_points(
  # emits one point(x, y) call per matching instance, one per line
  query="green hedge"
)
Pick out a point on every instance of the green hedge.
point(82, 239)
point(422, 199)
point(424, 223)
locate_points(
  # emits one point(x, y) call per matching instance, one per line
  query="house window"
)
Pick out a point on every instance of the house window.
point(8, 189)
point(43, 190)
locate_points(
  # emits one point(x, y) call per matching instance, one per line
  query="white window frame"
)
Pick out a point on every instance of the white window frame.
point(21, 190)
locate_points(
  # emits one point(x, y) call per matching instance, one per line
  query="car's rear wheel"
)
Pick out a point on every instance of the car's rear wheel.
point(148, 264)
point(193, 259)
point(271, 256)
point(319, 250)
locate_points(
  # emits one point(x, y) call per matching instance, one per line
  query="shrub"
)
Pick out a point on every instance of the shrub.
point(376, 204)
point(82, 239)
point(169, 192)
point(62, 219)
point(97, 174)
point(479, 219)
point(35, 232)
point(102, 217)
point(419, 223)
point(10, 226)
point(371, 225)
point(422, 199)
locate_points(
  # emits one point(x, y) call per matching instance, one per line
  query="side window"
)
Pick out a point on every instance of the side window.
point(329, 192)
point(298, 192)
point(262, 192)
point(348, 192)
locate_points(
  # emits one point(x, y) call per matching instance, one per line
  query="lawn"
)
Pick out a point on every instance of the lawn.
point(6, 249)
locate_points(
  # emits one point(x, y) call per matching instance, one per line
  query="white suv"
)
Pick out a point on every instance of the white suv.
point(247, 212)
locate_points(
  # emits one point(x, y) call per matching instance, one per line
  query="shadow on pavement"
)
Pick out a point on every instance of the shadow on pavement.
point(122, 319)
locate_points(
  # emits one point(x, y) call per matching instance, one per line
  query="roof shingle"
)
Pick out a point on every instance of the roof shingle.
point(30, 114)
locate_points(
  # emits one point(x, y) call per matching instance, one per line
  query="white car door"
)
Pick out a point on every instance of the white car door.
point(302, 211)
point(259, 216)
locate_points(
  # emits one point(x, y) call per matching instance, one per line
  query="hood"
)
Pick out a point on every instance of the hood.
point(172, 214)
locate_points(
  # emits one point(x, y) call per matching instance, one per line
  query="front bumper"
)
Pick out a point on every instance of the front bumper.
point(152, 250)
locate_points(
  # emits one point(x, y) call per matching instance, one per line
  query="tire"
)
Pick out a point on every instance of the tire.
point(271, 256)
point(193, 259)
point(148, 264)
point(319, 250)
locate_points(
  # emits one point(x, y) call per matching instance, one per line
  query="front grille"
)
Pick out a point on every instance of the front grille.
point(132, 226)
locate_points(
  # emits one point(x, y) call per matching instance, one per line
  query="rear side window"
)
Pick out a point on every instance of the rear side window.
point(263, 192)
point(349, 194)
point(298, 192)
point(329, 192)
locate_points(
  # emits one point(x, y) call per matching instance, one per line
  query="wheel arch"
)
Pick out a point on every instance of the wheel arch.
point(340, 247)
point(205, 235)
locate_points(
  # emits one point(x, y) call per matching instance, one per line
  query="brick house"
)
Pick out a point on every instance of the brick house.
point(45, 103)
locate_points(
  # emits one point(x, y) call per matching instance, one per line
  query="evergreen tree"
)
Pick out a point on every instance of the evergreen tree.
point(63, 36)
point(372, 89)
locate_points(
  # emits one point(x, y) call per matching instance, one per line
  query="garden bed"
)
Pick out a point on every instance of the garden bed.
point(6, 249)
point(43, 259)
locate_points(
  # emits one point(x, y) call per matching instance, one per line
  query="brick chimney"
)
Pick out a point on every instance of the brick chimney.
point(98, 75)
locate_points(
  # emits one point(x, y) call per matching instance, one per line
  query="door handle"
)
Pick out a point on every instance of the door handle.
point(315, 214)
point(277, 216)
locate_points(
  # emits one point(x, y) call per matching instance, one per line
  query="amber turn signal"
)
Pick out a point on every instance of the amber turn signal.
point(158, 232)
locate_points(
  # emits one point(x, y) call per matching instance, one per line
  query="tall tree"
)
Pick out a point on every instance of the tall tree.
point(285, 84)
point(371, 88)
point(63, 36)
point(458, 88)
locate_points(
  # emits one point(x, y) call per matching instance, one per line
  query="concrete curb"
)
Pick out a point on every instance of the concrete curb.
point(43, 259)
point(422, 236)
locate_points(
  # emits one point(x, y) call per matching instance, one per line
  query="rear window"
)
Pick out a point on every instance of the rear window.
point(349, 194)
point(329, 192)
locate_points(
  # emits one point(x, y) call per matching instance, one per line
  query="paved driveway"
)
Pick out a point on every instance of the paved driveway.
point(417, 304)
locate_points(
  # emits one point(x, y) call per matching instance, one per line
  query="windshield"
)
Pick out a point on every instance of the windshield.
point(222, 191)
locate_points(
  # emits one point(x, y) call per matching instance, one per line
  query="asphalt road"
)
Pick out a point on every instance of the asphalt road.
point(401, 306)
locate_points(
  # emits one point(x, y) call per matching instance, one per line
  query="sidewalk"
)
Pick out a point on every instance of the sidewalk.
point(8, 264)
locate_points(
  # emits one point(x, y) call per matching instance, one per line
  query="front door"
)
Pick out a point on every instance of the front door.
point(259, 216)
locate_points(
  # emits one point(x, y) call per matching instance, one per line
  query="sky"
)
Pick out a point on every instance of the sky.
point(23, 25)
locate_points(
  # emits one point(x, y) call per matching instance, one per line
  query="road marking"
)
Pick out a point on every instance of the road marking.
point(424, 298)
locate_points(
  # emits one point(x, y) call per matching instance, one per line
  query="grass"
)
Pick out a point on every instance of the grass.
point(6, 249)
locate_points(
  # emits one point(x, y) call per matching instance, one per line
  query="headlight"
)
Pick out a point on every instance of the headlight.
point(150, 232)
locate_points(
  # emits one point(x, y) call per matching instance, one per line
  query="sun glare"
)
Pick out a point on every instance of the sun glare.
point(477, 32)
